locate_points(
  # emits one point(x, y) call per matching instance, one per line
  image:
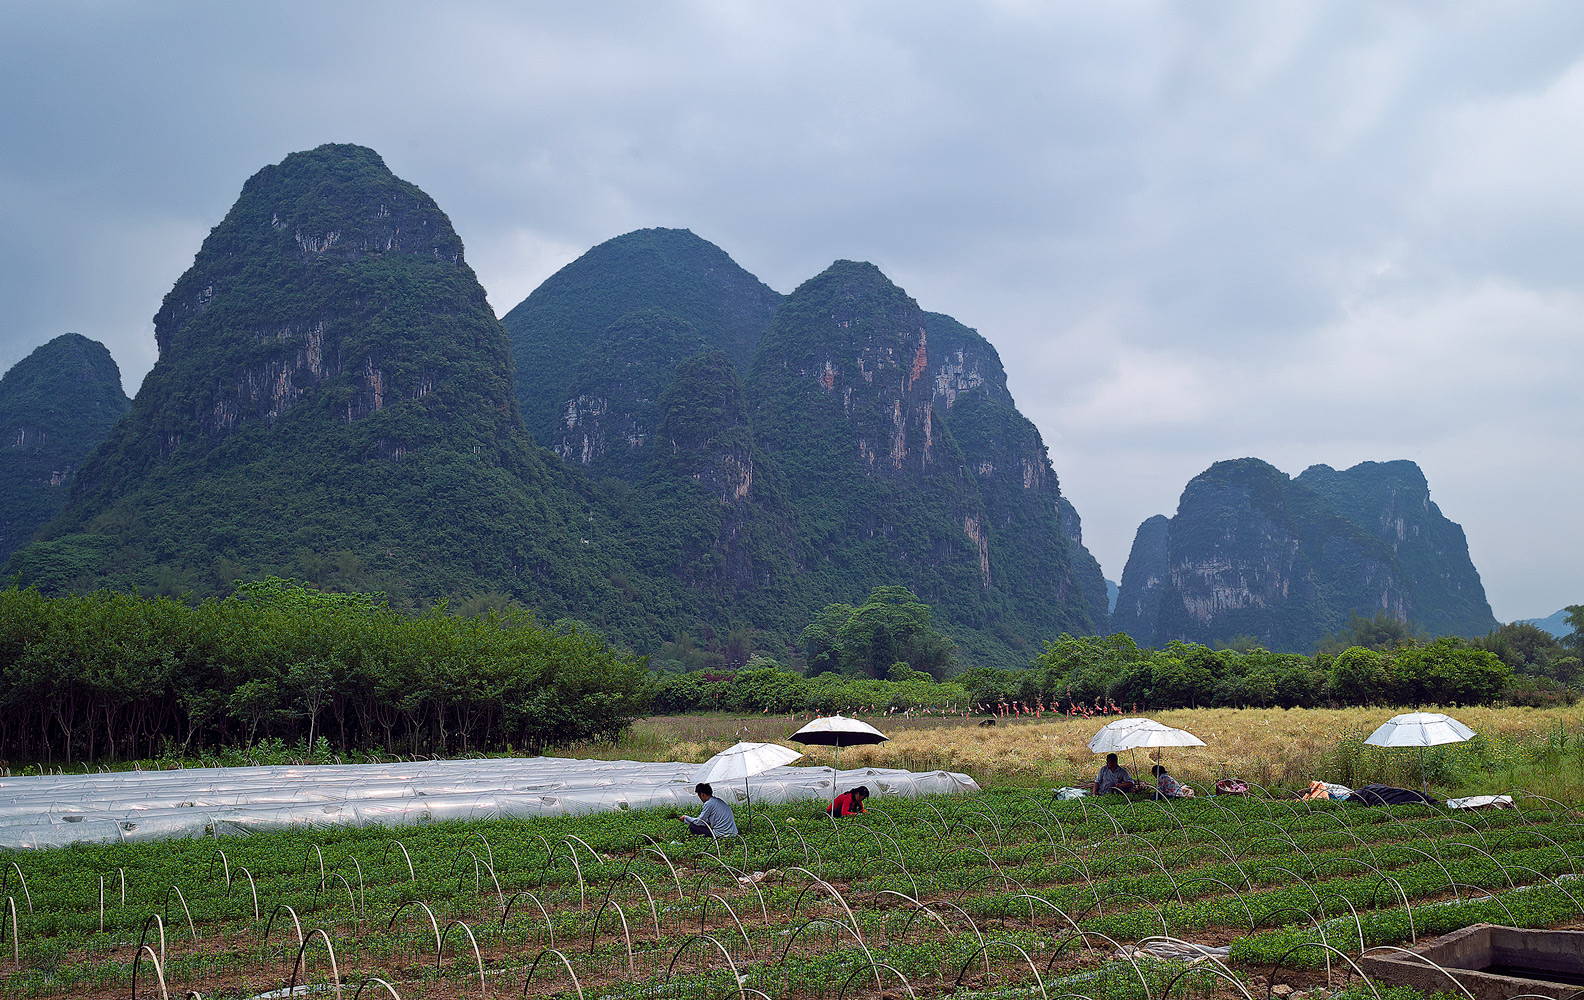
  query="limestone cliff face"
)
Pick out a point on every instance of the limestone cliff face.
point(854, 346)
point(1037, 535)
point(308, 285)
point(1391, 500)
point(1252, 552)
point(1143, 580)
point(609, 424)
point(743, 542)
point(858, 397)
point(55, 406)
point(844, 402)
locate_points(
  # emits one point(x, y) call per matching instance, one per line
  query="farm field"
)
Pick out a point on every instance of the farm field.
point(1005, 893)
point(1524, 748)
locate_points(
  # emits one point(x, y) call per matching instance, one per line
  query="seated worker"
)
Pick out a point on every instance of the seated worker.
point(715, 819)
point(850, 802)
point(1168, 787)
point(1113, 778)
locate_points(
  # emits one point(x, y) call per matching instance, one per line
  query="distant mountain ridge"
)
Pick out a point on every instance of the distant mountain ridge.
point(1556, 624)
point(1252, 552)
point(654, 441)
point(888, 445)
point(56, 405)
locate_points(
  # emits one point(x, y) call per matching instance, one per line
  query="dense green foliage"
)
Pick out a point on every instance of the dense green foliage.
point(1115, 671)
point(1546, 670)
point(771, 689)
point(1383, 631)
point(710, 492)
point(1098, 675)
point(612, 411)
point(557, 330)
point(106, 675)
point(56, 404)
point(889, 633)
point(1288, 562)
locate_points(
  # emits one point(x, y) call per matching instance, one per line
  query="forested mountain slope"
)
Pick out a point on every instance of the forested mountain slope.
point(812, 518)
point(844, 394)
point(1252, 552)
point(333, 402)
point(56, 404)
point(586, 369)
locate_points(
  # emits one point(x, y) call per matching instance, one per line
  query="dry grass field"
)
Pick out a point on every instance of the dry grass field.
point(1534, 749)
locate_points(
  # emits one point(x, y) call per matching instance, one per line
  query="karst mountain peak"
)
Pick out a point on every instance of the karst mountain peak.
point(654, 441)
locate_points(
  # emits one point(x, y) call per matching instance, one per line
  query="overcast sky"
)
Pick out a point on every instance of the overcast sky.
point(1308, 232)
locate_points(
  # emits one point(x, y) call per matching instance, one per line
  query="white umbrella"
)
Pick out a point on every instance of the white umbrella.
point(1131, 734)
point(1420, 729)
point(742, 761)
point(838, 731)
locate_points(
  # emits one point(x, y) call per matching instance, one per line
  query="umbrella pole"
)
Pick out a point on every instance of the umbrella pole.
point(834, 768)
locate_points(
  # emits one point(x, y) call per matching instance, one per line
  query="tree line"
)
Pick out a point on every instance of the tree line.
point(1097, 675)
point(108, 675)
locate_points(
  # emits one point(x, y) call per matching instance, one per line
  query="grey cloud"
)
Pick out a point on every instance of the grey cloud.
point(1163, 215)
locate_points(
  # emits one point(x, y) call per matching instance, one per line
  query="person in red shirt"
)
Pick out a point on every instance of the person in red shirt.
point(848, 803)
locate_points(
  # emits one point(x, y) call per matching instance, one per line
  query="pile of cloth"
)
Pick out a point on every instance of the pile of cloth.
point(1327, 790)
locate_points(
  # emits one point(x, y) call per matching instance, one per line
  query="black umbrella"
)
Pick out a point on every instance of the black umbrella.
point(838, 731)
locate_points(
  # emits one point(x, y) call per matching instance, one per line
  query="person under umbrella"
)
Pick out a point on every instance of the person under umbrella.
point(848, 803)
point(742, 761)
point(838, 731)
point(1420, 729)
point(715, 819)
point(1133, 734)
point(1113, 777)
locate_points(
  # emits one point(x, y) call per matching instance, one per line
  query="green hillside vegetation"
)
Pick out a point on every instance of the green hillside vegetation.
point(333, 403)
point(554, 329)
point(721, 507)
point(843, 405)
point(613, 413)
point(56, 404)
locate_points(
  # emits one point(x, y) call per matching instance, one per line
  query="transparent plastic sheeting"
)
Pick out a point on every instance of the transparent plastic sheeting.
point(53, 811)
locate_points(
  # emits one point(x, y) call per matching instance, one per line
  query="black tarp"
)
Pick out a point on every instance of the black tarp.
point(1386, 795)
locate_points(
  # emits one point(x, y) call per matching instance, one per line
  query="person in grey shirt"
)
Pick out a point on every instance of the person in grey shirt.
point(715, 819)
point(1113, 778)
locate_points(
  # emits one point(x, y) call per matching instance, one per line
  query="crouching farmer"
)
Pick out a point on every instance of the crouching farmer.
point(715, 819)
point(848, 803)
